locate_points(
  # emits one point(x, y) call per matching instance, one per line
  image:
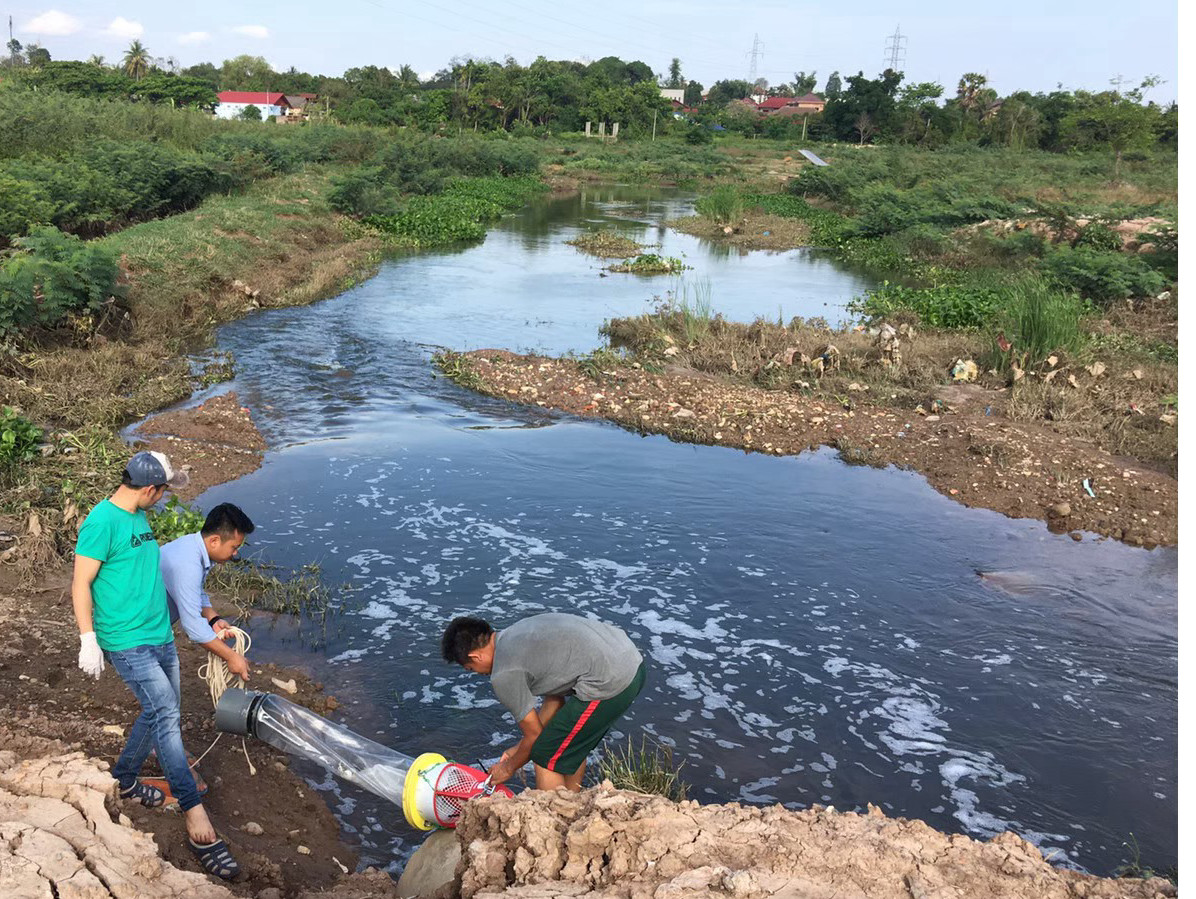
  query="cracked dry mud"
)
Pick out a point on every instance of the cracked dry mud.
point(58, 839)
point(614, 844)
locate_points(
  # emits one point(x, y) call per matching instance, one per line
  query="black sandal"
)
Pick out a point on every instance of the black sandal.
point(150, 797)
point(215, 859)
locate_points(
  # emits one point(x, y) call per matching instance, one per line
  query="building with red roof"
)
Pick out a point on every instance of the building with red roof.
point(804, 105)
point(233, 103)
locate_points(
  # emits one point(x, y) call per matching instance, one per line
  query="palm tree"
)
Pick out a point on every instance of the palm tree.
point(137, 61)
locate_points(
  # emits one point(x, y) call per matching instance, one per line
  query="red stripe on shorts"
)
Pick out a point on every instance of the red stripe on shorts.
point(581, 722)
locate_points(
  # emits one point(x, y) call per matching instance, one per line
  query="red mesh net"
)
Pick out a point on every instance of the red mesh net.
point(455, 786)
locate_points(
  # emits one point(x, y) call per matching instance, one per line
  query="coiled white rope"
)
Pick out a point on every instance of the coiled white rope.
point(215, 672)
point(215, 669)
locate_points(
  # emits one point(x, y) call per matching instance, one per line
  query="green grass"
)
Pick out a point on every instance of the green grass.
point(1134, 869)
point(251, 586)
point(649, 767)
point(725, 204)
point(456, 367)
point(1038, 319)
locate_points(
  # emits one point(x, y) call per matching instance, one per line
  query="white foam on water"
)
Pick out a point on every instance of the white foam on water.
point(621, 572)
point(349, 655)
point(652, 620)
point(751, 792)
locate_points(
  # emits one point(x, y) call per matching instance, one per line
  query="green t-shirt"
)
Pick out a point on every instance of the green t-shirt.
point(128, 597)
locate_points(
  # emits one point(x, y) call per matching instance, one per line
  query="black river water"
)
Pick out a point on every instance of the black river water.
point(816, 633)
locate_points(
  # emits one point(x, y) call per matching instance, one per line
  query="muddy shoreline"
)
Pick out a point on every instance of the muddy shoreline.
point(1019, 469)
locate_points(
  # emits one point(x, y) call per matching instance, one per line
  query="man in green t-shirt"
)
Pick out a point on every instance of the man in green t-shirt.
point(120, 607)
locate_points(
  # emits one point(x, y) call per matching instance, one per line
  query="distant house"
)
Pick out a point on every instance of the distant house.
point(233, 103)
point(676, 94)
point(790, 106)
point(805, 105)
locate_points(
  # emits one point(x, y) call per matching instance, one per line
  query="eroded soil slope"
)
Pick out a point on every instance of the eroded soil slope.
point(613, 843)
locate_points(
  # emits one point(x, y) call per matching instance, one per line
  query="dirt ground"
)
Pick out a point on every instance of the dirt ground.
point(44, 693)
point(613, 844)
point(964, 446)
point(214, 442)
point(755, 231)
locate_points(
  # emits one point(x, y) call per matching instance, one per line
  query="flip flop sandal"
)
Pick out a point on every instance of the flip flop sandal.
point(147, 795)
point(216, 860)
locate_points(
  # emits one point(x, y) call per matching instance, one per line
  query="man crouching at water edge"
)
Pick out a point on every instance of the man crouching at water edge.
point(185, 564)
point(587, 672)
point(120, 607)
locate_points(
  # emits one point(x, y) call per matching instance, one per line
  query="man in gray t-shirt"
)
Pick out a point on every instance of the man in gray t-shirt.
point(587, 671)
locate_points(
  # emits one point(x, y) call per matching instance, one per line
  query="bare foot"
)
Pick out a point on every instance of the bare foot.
point(199, 827)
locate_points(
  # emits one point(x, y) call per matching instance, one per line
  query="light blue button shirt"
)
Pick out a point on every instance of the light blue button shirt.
point(185, 563)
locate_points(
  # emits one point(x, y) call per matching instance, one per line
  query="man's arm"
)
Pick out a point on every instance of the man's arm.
point(216, 622)
point(85, 573)
point(91, 657)
point(516, 757)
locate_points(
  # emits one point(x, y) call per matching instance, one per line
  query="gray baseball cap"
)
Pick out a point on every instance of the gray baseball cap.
point(149, 469)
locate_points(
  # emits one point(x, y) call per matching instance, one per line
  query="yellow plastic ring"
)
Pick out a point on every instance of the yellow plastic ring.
point(411, 785)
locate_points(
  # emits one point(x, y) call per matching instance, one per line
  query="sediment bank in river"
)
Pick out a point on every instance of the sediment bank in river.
point(1020, 469)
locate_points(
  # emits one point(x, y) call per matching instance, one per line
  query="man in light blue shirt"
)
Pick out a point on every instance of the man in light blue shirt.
point(185, 563)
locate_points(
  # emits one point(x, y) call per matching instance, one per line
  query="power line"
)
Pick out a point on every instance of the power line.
point(895, 50)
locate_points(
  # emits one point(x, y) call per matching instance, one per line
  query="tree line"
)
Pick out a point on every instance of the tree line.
point(561, 95)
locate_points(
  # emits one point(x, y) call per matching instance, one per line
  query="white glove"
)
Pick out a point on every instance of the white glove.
point(91, 657)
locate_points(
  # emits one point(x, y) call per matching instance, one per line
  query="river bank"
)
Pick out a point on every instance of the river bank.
point(266, 816)
point(229, 406)
point(961, 442)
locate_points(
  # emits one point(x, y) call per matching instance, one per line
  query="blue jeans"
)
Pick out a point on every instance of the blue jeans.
point(152, 673)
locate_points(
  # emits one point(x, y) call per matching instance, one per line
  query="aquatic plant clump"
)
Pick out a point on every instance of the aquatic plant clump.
point(651, 264)
point(460, 214)
point(606, 244)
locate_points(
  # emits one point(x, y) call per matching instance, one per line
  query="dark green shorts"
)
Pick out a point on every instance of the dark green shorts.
point(579, 726)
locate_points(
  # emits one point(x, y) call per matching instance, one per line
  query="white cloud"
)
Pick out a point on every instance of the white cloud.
point(194, 37)
point(123, 28)
point(251, 30)
point(54, 23)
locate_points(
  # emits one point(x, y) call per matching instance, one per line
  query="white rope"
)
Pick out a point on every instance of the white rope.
point(215, 669)
point(219, 678)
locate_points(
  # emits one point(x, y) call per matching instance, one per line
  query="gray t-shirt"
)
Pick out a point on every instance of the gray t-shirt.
point(556, 654)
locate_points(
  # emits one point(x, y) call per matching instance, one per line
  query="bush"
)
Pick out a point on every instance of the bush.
point(1097, 235)
point(698, 135)
point(51, 276)
point(174, 520)
point(19, 438)
point(1100, 275)
point(104, 187)
point(364, 192)
point(945, 306)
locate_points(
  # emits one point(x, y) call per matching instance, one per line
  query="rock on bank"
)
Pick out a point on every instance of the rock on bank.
point(620, 845)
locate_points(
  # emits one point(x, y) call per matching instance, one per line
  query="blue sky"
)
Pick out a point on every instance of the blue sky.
point(1032, 45)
